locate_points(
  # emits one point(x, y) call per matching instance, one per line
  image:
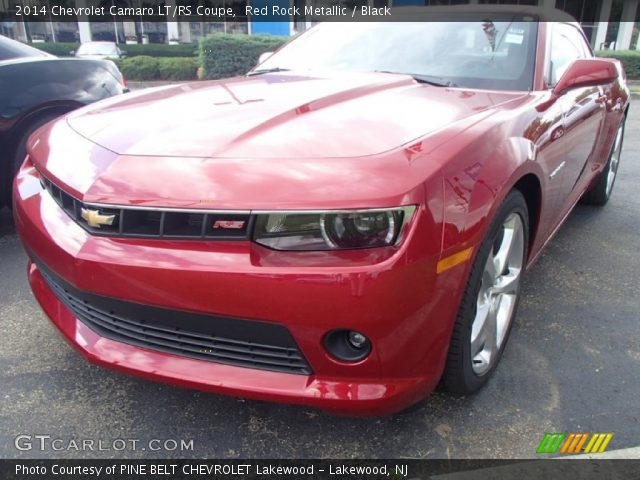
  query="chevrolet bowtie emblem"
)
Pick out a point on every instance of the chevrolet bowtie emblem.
point(95, 219)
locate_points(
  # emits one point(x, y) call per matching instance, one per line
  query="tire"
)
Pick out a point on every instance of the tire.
point(490, 300)
point(599, 194)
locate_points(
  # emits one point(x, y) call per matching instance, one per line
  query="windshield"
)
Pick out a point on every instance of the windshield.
point(97, 49)
point(488, 54)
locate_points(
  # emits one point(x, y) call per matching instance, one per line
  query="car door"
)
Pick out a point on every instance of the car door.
point(583, 109)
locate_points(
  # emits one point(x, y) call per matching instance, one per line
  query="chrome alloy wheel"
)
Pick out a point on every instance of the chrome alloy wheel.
point(612, 170)
point(498, 294)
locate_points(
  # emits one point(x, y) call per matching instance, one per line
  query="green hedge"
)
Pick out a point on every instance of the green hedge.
point(150, 49)
point(58, 49)
point(629, 58)
point(142, 68)
point(223, 55)
point(160, 50)
point(179, 68)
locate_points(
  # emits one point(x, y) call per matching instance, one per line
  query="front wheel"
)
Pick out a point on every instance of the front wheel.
point(490, 300)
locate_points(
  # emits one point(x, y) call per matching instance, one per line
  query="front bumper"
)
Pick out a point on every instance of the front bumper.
point(394, 297)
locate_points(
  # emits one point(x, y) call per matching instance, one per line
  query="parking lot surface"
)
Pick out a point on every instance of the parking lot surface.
point(572, 365)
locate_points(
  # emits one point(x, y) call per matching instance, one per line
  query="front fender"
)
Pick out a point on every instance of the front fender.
point(476, 187)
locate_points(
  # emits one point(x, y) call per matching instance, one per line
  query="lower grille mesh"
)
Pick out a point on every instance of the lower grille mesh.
point(238, 342)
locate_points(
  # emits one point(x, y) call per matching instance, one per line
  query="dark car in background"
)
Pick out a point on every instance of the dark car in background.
point(36, 87)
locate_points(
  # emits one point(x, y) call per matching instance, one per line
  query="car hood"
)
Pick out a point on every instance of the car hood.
point(281, 115)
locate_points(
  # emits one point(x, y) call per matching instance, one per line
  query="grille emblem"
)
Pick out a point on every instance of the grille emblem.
point(95, 219)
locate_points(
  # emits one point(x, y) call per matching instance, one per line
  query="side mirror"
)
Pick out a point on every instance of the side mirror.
point(263, 57)
point(586, 73)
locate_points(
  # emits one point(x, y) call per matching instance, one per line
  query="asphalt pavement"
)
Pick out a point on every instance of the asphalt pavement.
point(572, 365)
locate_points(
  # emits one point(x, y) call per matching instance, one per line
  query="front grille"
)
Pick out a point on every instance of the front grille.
point(153, 223)
point(239, 342)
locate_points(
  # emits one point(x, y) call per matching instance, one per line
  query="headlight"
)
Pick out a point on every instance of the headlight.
point(332, 230)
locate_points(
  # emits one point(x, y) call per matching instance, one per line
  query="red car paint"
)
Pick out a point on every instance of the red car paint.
point(283, 141)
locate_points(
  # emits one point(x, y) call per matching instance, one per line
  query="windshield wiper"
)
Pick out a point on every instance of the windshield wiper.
point(267, 70)
point(435, 81)
point(428, 79)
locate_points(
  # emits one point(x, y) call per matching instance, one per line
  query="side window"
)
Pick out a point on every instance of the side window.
point(566, 47)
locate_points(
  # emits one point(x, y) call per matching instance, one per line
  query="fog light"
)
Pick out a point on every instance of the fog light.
point(347, 345)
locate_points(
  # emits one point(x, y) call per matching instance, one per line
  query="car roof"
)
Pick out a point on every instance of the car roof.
point(542, 14)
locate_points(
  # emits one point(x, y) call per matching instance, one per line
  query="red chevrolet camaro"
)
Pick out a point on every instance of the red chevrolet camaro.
point(344, 227)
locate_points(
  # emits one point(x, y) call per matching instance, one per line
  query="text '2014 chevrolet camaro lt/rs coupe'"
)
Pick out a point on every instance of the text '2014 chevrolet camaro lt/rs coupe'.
point(344, 227)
